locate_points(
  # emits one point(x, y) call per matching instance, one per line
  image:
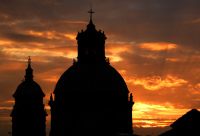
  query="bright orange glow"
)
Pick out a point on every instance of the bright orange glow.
point(195, 89)
point(158, 46)
point(51, 34)
point(72, 37)
point(155, 115)
point(22, 51)
point(155, 82)
point(39, 52)
point(46, 34)
point(3, 42)
point(6, 108)
point(52, 79)
point(115, 51)
point(122, 71)
point(71, 54)
point(173, 60)
point(114, 58)
point(10, 101)
point(47, 107)
point(35, 33)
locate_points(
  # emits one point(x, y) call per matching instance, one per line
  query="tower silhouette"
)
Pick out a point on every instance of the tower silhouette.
point(91, 98)
point(28, 114)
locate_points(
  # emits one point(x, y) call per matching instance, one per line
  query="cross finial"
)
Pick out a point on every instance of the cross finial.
point(91, 12)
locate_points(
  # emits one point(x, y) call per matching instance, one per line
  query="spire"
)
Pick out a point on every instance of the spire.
point(91, 12)
point(29, 71)
point(90, 26)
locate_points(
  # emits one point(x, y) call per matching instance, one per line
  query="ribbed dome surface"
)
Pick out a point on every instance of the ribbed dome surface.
point(28, 87)
point(91, 76)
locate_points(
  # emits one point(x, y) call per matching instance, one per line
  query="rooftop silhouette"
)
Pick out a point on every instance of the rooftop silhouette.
point(187, 125)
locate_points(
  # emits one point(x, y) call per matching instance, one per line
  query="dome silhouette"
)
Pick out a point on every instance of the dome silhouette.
point(29, 87)
point(91, 77)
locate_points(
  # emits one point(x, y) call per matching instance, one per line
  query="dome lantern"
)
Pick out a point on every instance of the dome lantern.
point(91, 44)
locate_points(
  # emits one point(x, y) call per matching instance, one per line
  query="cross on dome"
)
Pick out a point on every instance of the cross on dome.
point(91, 12)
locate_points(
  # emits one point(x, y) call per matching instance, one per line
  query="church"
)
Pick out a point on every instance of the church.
point(90, 98)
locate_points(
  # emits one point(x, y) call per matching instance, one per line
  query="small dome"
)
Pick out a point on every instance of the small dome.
point(91, 76)
point(28, 87)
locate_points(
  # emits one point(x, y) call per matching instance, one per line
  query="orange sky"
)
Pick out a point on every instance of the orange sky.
point(153, 44)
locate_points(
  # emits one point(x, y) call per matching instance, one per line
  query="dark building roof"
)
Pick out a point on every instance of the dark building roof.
point(189, 119)
point(91, 76)
point(187, 125)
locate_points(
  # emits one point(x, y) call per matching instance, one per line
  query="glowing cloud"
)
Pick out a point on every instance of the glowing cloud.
point(10, 101)
point(114, 58)
point(155, 115)
point(173, 59)
point(116, 50)
point(158, 46)
point(3, 42)
point(155, 82)
point(51, 34)
point(52, 79)
point(39, 52)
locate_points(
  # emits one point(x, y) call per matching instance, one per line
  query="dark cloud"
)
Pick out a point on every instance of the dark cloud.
point(17, 37)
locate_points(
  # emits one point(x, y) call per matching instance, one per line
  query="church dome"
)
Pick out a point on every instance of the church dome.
point(28, 88)
point(91, 76)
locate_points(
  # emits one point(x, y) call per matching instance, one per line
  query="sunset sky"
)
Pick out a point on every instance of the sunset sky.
point(154, 45)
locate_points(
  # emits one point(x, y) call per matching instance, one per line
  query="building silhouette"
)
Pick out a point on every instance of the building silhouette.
point(187, 125)
point(91, 98)
point(28, 114)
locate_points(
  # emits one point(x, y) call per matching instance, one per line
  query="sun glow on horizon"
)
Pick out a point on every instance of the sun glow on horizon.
point(155, 115)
